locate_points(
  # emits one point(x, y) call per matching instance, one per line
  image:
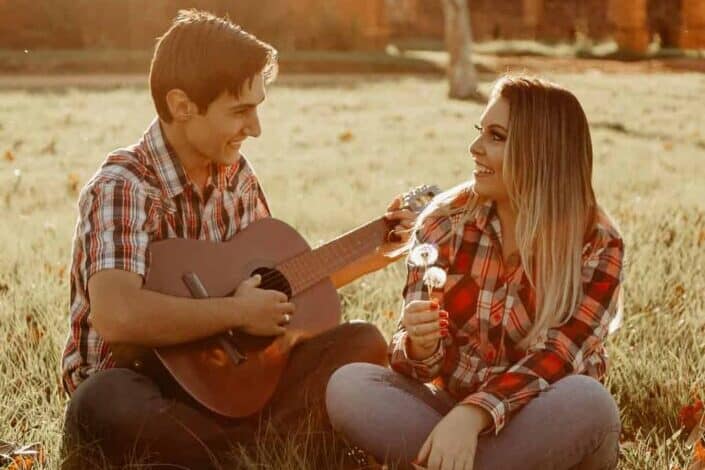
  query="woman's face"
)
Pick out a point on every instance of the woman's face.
point(487, 150)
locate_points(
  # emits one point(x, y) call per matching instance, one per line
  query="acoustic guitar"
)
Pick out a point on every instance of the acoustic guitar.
point(234, 374)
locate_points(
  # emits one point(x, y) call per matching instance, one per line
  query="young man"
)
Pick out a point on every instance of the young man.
point(185, 178)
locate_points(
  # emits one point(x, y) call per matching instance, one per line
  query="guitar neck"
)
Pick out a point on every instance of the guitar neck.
point(308, 269)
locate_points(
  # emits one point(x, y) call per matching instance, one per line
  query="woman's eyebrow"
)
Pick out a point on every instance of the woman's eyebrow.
point(497, 126)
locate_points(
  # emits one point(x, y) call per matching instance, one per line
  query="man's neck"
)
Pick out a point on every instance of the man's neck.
point(195, 166)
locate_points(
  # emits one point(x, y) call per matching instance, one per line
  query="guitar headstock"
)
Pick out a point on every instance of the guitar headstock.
point(419, 197)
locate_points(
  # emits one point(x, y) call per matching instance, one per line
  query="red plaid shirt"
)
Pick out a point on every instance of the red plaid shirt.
point(139, 195)
point(491, 306)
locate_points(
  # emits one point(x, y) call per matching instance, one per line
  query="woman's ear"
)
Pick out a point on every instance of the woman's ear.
point(180, 105)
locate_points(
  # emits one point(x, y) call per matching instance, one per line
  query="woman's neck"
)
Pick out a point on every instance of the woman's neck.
point(507, 220)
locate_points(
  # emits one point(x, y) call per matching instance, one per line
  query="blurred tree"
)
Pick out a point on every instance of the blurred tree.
point(462, 78)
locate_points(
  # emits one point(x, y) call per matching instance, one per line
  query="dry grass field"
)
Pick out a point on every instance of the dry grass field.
point(334, 150)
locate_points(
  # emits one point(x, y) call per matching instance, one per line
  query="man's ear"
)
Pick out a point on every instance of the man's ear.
point(180, 105)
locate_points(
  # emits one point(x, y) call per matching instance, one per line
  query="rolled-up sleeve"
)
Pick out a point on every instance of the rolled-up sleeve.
point(113, 215)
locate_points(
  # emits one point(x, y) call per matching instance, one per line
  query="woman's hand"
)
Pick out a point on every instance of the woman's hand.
point(452, 443)
point(425, 325)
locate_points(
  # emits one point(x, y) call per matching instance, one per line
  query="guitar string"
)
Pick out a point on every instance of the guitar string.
point(283, 282)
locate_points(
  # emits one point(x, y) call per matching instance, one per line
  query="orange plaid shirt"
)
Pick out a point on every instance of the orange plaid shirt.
point(139, 195)
point(491, 307)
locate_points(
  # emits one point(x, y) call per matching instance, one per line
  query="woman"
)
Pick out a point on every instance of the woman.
point(500, 369)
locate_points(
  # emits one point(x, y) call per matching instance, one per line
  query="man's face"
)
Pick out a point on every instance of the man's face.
point(217, 134)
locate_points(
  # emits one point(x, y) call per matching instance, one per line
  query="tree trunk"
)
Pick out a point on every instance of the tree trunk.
point(462, 78)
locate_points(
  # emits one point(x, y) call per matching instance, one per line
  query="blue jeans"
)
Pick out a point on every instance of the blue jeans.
point(573, 425)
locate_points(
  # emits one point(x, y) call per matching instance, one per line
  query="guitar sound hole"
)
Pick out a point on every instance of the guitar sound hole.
point(273, 280)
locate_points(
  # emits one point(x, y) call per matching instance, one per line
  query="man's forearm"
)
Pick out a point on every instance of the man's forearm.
point(160, 319)
point(153, 319)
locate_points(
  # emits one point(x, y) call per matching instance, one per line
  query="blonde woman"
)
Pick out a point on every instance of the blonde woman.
point(500, 369)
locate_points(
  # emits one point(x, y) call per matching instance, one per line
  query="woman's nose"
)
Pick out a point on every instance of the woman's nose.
point(475, 146)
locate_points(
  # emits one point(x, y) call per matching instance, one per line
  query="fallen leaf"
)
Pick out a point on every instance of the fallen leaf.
point(73, 182)
point(691, 415)
point(699, 451)
point(346, 136)
point(49, 148)
point(35, 332)
point(9, 156)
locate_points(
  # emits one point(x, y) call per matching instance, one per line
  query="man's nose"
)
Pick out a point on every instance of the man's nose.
point(253, 127)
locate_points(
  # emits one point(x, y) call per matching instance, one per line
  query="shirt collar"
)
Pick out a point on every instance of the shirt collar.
point(169, 170)
point(485, 214)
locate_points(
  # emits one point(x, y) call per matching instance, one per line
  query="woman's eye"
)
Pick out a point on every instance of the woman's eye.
point(497, 137)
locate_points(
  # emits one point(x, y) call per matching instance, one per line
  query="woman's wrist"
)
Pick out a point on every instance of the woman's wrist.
point(481, 418)
point(417, 352)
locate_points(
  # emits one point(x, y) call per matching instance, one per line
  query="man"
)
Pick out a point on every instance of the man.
point(185, 179)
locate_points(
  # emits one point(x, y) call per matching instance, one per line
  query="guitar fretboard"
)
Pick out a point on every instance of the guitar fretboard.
point(308, 269)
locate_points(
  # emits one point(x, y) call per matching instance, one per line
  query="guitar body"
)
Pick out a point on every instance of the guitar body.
point(236, 374)
point(203, 368)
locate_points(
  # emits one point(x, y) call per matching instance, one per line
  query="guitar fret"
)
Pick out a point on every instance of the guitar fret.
point(308, 269)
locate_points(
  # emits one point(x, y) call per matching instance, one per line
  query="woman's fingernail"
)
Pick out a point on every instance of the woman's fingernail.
point(443, 323)
point(443, 314)
point(434, 304)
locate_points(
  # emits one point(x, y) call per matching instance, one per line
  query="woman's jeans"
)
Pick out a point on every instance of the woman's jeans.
point(573, 425)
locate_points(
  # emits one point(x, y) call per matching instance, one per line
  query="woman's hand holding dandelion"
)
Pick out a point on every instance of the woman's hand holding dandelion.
point(425, 322)
point(425, 325)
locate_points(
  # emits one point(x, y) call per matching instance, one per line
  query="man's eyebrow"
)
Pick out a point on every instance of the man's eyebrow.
point(246, 105)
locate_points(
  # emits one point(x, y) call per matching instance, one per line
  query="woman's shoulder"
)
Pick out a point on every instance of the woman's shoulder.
point(604, 232)
point(444, 214)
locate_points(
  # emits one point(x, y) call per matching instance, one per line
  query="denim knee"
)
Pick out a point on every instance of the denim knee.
point(343, 392)
point(603, 411)
point(104, 407)
point(604, 424)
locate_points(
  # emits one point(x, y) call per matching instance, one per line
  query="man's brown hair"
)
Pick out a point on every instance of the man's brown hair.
point(205, 55)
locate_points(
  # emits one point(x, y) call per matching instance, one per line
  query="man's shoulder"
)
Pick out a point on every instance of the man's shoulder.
point(127, 168)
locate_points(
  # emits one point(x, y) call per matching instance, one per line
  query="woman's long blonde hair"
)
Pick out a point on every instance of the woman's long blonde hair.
point(548, 174)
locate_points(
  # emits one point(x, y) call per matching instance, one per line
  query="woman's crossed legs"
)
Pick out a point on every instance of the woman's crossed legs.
point(573, 425)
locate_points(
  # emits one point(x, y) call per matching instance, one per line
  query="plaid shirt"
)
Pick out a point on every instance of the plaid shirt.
point(491, 306)
point(139, 195)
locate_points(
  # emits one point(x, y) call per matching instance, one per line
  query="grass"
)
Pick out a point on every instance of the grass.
point(333, 152)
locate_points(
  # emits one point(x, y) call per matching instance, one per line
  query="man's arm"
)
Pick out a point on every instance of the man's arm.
point(123, 312)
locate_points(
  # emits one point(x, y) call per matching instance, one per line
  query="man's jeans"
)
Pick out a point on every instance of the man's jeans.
point(121, 413)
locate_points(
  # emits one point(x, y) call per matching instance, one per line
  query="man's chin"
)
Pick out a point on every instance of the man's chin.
point(231, 157)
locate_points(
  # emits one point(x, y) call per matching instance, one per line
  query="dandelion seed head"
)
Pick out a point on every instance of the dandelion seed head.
point(424, 255)
point(434, 277)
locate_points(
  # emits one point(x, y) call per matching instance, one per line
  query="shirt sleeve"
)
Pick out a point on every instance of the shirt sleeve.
point(261, 206)
point(567, 349)
point(428, 369)
point(112, 218)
